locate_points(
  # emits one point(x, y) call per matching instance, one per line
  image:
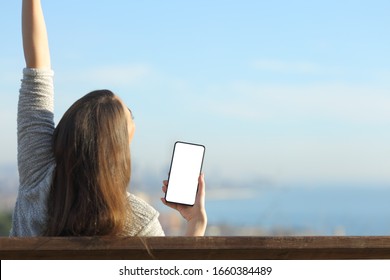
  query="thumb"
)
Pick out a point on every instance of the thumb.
point(201, 189)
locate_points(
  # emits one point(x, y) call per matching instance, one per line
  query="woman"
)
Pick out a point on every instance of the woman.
point(73, 178)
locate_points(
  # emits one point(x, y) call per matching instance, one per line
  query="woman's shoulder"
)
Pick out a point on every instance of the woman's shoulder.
point(140, 207)
point(143, 219)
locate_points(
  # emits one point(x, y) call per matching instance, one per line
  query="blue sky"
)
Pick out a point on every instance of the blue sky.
point(289, 91)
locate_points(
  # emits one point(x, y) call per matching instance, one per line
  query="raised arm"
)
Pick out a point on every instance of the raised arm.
point(35, 41)
point(35, 126)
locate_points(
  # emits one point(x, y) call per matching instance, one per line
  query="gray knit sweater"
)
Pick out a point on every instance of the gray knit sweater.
point(36, 163)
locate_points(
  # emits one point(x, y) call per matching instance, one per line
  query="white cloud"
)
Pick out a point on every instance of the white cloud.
point(121, 75)
point(256, 102)
point(107, 75)
point(324, 132)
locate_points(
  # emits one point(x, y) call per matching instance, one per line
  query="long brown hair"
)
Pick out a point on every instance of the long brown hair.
point(92, 155)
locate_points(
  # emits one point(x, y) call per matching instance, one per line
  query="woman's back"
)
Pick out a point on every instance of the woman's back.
point(74, 178)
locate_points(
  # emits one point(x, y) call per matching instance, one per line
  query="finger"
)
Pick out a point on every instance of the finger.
point(165, 182)
point(164, 189)
point(201, 183)
point(201, 189)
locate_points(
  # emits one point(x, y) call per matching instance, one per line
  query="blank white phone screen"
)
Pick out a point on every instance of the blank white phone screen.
point(186, 166)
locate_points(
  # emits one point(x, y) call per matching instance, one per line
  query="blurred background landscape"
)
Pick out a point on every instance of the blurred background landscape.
point(290, 98)
point(256, 208)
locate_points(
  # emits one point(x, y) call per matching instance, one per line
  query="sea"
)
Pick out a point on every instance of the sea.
point(352, 211)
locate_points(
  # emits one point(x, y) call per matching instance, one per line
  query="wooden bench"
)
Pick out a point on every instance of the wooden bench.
point(199, 248)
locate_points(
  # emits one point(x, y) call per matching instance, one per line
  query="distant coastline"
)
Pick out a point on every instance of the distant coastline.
point(329, 209)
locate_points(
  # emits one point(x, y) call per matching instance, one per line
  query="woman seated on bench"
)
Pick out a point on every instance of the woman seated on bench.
point(74, 177)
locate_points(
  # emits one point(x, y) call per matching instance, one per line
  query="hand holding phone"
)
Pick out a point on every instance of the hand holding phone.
point(195, 215)
point(186, 166)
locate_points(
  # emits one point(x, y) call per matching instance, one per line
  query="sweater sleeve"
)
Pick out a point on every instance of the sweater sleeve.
point(35, 127)
point(35, 160)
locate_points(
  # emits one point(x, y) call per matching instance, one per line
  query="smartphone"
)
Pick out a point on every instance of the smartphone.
point(186, 166)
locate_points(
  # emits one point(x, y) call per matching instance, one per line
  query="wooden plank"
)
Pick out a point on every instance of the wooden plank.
point(306, 247)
